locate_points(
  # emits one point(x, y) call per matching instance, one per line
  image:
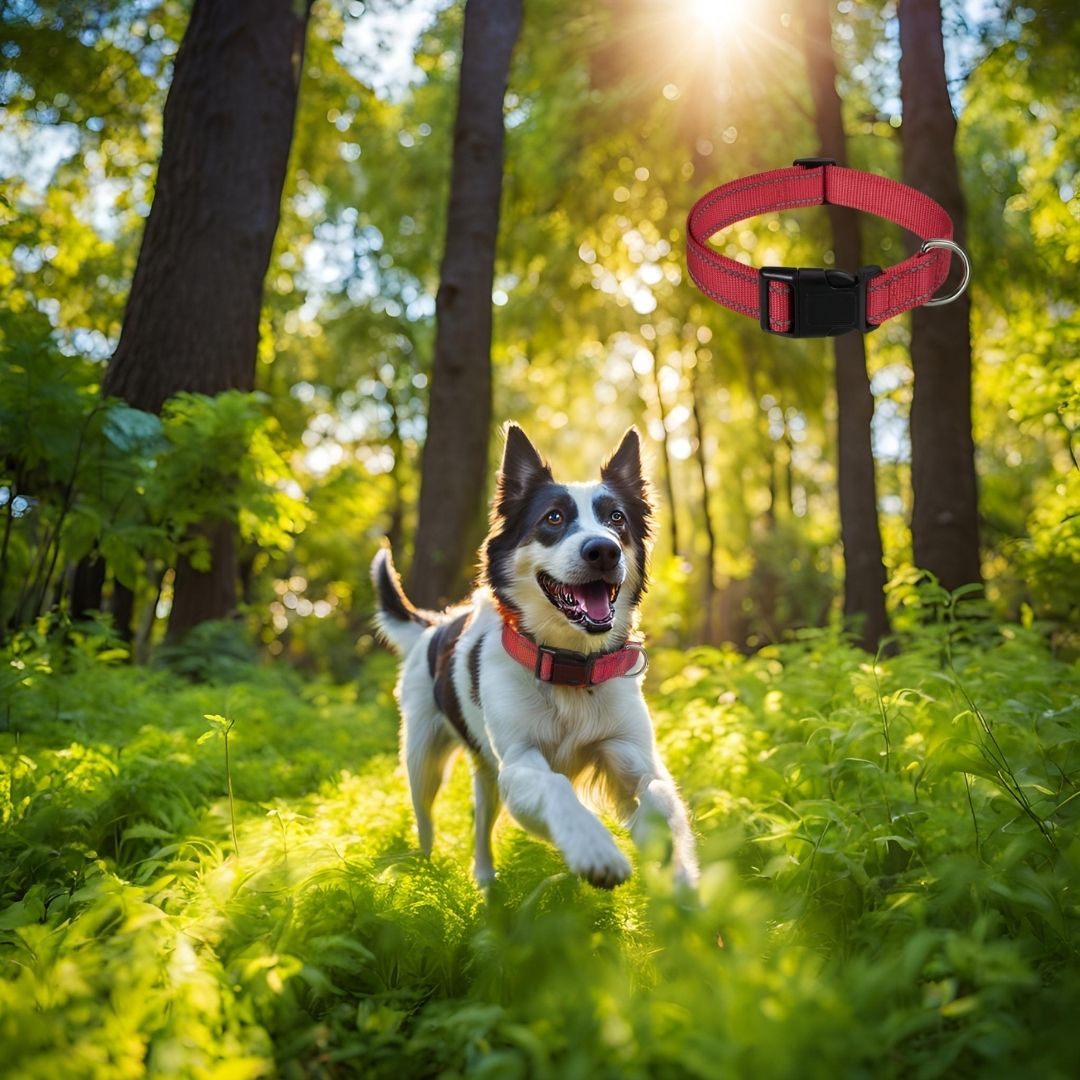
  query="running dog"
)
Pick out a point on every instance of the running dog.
point(538, 674)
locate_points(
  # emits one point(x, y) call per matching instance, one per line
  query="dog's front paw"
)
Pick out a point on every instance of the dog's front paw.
point(597, 859)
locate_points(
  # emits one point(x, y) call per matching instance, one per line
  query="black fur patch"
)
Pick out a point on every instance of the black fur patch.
point(392, 598)
point(474, 670)
point(550, 498)
point(523, 470)
point(521, 519)
point(440, 667)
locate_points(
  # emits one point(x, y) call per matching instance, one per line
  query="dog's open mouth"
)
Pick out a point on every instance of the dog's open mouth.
point(590, 605)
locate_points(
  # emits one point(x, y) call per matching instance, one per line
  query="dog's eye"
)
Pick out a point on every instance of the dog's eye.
point(617, 517)
point(554, 517)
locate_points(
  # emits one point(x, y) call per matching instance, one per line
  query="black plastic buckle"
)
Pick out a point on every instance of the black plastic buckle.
point(568, 668)
point(824, 303)
point(814, 162)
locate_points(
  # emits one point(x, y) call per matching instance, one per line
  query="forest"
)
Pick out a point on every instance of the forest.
point(276, 275)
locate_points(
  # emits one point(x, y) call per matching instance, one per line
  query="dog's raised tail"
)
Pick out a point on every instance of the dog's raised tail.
point(399, 623)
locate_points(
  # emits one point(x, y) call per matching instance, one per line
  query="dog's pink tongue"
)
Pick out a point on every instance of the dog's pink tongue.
point(593, 597)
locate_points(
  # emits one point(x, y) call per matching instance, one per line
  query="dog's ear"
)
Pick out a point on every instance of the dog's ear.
point(522, 468)
point(623, 473)
point(623, 468)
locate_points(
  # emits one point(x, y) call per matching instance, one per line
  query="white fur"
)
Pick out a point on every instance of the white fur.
point(539, 743)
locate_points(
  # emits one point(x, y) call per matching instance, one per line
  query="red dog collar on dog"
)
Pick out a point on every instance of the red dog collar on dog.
point(808, 302)
point(564, 667)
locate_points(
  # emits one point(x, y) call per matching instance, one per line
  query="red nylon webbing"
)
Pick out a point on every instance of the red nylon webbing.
point(735, 285)
point(605, 666)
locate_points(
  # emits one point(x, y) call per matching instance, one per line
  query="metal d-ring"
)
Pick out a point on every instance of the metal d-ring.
point(948, 244)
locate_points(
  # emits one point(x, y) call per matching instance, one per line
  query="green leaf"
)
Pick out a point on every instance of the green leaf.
point(132, 429)
point(30, 909)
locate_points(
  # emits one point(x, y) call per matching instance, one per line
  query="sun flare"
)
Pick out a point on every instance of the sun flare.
point(716, 18)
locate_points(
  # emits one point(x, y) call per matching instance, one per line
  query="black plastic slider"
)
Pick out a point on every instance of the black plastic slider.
point(568, 668)
point(814, 162)
point(824, 303)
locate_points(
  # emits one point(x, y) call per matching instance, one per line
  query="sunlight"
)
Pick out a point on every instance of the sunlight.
point(713, 23)
point(695, 43)
point(717, 16)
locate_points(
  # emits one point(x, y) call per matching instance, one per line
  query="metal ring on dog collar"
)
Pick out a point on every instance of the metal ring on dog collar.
point(939, 300)
point(635, 671)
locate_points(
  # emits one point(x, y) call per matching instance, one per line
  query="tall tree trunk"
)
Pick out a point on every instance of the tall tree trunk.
point(192, 318)
point(455, 456)
point(944, 522)
point(198, 593)
point(860, 534)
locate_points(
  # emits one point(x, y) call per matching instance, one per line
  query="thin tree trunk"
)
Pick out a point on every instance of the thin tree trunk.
point(397, 472)
point(122, 608)
point(860, 534)
point(192, 318)
point(669, 482)
point(87, 583)
point(789, 471)
point(141, 649)
point(455, 456)
point(767, 448)
point(709, 595)
point(944, 522)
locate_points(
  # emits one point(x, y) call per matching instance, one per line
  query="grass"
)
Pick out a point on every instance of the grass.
point(890, 856)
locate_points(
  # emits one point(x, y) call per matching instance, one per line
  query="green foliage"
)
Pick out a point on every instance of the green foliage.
point(224, 465)
point(890, 855)
point(1051, 556)
point(83, 476)
point(72, 470)
point(218, 650)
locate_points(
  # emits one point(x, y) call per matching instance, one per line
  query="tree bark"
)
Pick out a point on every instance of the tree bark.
point(192, 318)
point(455, 456)
point(944, 521)
point(860, 534)
point(122, 608)
point(87, 584)
point(197, 592)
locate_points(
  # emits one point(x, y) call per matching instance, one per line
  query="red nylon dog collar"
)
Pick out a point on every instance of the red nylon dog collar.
point(564, 667)
point(806, 302)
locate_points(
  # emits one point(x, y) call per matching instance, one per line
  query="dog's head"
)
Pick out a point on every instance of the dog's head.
point(567, 561)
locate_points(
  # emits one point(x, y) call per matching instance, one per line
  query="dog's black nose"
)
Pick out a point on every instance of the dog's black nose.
point(601, 554)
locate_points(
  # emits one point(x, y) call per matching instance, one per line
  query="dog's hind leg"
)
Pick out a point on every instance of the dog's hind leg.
point(427, 744)
point(486, 805)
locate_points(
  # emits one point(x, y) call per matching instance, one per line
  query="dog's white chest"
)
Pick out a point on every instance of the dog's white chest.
point(573, 724)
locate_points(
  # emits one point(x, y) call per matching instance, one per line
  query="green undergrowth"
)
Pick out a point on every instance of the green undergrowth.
point(890, 869)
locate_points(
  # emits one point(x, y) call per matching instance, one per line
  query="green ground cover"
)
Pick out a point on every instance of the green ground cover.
point(891, 859)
